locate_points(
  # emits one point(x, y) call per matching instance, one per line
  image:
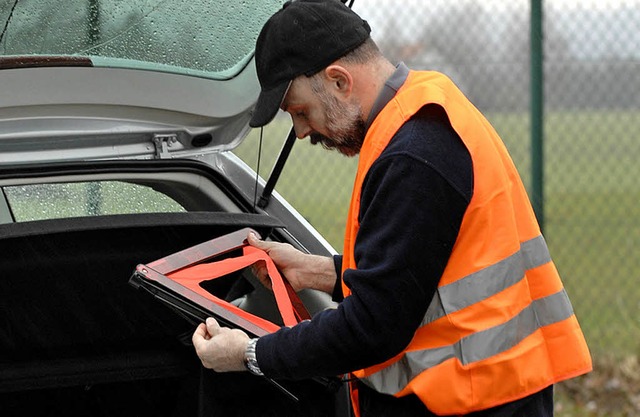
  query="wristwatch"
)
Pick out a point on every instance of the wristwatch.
point(250, 360)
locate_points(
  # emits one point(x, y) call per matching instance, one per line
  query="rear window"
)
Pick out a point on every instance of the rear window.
point(80, 199)
point(212, 39)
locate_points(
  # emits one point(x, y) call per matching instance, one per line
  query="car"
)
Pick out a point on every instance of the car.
point(118, 122)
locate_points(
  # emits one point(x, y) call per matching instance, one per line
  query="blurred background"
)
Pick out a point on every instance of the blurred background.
point(560, 81)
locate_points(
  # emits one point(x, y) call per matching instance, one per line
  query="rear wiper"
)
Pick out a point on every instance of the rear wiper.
point(35, 61)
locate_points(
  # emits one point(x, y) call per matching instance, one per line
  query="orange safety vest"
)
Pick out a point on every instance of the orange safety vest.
point(500, 326)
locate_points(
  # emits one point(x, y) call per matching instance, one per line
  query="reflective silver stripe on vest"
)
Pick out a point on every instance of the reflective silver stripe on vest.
point(484, 344)
point(488, 281)
point(475, 347)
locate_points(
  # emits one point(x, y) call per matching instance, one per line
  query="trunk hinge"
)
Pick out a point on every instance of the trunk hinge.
point(162, 143)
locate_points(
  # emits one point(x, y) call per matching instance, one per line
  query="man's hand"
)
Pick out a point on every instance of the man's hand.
point(220, 348)
point(302, 270)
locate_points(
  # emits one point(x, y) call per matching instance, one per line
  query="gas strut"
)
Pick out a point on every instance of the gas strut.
point(277, 169)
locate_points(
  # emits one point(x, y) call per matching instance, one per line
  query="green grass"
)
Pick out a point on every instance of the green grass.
point(593, 222)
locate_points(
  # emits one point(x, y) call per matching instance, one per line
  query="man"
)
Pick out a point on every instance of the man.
point(450, 303)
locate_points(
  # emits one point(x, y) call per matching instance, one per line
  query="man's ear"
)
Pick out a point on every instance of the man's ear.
point(339, 79)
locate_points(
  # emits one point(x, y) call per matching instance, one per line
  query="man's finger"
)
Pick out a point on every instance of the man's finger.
point(200, 335)
point(254, 241)
point(213, 328)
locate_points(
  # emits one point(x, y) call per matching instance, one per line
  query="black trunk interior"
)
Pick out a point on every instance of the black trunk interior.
point(77, 340)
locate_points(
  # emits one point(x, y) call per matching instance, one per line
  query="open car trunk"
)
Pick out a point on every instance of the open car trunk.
point(77, 340)
point(122, 114)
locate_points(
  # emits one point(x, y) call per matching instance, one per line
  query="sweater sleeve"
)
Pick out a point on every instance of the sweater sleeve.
point(412, 204)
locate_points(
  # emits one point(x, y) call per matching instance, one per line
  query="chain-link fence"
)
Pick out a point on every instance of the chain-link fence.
point(591, 143)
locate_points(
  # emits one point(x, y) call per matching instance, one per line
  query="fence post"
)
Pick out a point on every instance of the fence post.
point(537, 110)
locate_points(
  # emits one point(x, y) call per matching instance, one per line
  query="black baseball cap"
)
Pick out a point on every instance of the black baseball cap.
point(303, 37)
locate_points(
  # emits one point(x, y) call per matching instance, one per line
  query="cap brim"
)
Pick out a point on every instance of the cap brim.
point(268, 104)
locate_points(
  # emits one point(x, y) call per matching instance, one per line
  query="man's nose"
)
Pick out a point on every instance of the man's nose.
point(302, 129)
